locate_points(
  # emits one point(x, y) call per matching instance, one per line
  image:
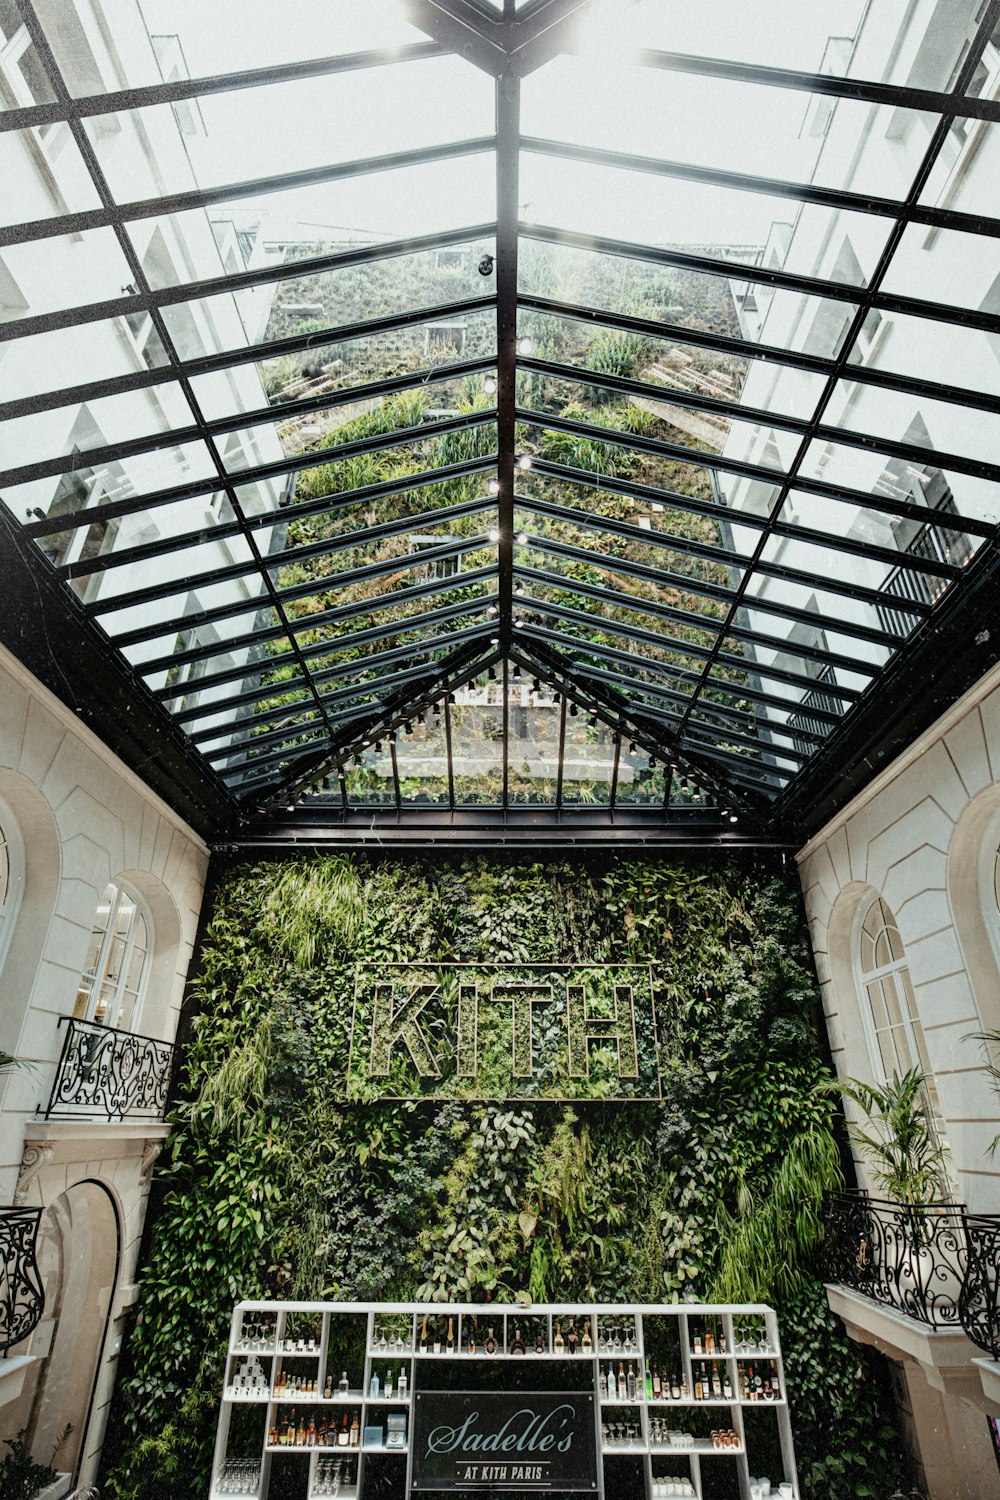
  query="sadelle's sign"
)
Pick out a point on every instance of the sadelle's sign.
point(504, 1031)
point(524, 1440)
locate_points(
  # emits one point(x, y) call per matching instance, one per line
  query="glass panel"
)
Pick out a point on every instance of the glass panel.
point(747, 32)
point(945, 265)
point(287, 225)
point(172, 39)
point(921, 422)
point(653, 210)
point(71, 356)
point(440, 99)
point(422, 760)
point(314, 304)
point(943, 353)
point(77, 429)
point(955, 182)
point(533, 743)
point(679, 366)
point(588, 762)
point(51, 174)
point(63, 271)
point(906, 480)
point(745, 127)
point(641, 779)
point(370, 782)
point(477, 743)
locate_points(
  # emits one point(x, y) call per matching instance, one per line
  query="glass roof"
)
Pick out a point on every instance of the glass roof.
point(358, 362)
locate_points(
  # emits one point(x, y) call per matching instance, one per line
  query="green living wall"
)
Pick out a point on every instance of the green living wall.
point(273, 1185)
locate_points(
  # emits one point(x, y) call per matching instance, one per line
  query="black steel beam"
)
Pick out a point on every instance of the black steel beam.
point(508, 99)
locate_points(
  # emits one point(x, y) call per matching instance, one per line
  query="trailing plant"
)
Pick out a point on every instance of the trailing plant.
point(21, 1478)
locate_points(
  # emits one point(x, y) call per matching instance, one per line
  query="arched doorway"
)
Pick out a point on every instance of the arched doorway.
point(78, 1255)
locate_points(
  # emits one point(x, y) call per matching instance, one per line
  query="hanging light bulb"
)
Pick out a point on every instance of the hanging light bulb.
point(524, 462)
point(573, 710)
point(490, 385)
point(525, 344)
point(522, 538)
point(493, 534)
point(516, 674)
point(493, 485)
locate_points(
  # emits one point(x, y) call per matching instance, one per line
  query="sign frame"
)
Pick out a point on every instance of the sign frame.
point(494, 1469)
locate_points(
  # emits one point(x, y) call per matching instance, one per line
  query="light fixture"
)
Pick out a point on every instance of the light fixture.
point(536, 686)
point(519, 590)
point(733, 818)
point(524, 462)
point(493, 485)
point(573, 710)
point(392, 737)
point(592, 721)
point(492, 674)
point(652, 762)
point(494, 640)
point(378, 747)
point(518, 622)
point(516, 674)
point(522, 538)
point(491, 609)
point(525, 344)
point(493, 534)
point(490, 385)
point(632, 750)
point(408, 726)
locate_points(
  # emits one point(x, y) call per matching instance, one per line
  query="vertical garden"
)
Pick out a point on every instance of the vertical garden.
point(274, 1185)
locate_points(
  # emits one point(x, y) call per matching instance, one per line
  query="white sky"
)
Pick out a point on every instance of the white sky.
point(595, 98)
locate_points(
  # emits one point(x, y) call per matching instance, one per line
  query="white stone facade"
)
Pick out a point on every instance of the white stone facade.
point(83, 819)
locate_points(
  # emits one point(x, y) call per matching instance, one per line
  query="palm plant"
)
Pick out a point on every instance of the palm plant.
point(990, 1043)
point(903, 1151)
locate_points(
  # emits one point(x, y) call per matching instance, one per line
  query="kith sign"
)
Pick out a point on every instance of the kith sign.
point(501, 1031)
point(533, 1440)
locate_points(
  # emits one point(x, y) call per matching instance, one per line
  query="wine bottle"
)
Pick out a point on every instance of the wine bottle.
point(344, 1386)
point(722, 1341)
point(630, 1378)
point(490, 1346)
point(436, 1341)
point(423, 1337)
point(517, 1343)
point(290, 1430)
point(775, 1384)
point(649, 1383)
point(716, 1382)
point(558, 1343)
point(748, 1383)
point(388, 1385)
point(470, 1342)
point(451, 1336)
point(571, 1339)
point(587, 1343)
point(675, 1388)
point(727, 1385)
point(344, 1435)
point(354, 1436)
point(401, 1385)
point(657, 1384)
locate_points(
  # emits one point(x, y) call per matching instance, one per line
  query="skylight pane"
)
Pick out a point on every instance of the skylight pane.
point(477, 717)
point(261, 132)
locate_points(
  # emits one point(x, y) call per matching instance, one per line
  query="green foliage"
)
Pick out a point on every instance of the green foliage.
point(20, 1477)
point(274, 1185)
point(904, 1153)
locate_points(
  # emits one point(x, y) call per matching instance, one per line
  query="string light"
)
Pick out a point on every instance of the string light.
point(490, 385)
point(525, 344)
point(493, 485)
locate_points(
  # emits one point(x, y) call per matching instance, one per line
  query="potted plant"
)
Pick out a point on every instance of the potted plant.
point(919, 1256)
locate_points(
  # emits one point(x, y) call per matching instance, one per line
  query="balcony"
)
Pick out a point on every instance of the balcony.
point(104, 1073)
point(22, 1299)
point(919, 1282)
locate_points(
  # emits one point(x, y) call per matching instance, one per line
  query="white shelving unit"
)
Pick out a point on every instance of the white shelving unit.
point(637, 1428)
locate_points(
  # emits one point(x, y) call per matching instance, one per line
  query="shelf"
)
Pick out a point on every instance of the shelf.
point(310, 1398)
point(305, 1450)
point(387, 1400)
point(341, 1494)
point(259, 1398)
point(703, 1449)
point(384, 1448)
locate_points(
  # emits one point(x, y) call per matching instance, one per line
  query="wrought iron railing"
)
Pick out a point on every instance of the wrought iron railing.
point(935, 544)
point(22, 1297)
point(979, 1305)
point(909, 1257)
point(107, 1072)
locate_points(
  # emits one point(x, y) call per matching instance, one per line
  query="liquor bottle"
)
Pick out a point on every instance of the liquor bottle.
point(328, 1389)
point(436, 1340)
point(388, 1385)
point(716, 1382)
point(541, 1343)
point(622, 1382)
point(675, 1389)
point(490, 1345)
point(471, 1340)
point(775, 1385)
point(517, 1342)
point(272, 1435)
point(344, 1385)
point(451, 1336)
point(699, 1390)
point(631, 1382)
point(373, 1387)
point(722, 1341)
point(612, 1384)
point(558, 1343)
point(749, 1385)
point(321, 1435)
point(698, 1345)
point(300, 1436)
point(354, 1436)
point(758, 1385)
point(401, 1385)
point(685, 1389)
point(709, 1341)
point(311, 1432)
point(727, 1385)
point(344, 1435)
point(587, 1343)
point(423, 1337)
point(571, 1339)
point(656, 1384)
point(649, 1383)
point(602, 1384)
point(290, 1430)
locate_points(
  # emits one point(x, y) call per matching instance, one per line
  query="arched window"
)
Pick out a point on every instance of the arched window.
point(895, 1035)
point(113, 981)
point(11, 877)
